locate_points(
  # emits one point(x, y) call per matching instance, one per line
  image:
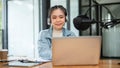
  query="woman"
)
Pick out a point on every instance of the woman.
point(57, 16)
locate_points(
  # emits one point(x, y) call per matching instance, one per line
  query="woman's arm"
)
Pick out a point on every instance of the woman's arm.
point(44, 46)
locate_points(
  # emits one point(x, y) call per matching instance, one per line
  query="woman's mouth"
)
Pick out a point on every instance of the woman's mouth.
point(58, 24)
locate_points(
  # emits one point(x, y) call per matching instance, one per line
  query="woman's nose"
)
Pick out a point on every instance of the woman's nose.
point(57, 19)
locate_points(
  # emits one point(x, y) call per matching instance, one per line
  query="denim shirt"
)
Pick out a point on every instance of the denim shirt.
point(44, 42)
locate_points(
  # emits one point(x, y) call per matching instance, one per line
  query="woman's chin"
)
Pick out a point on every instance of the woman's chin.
point(60, 28)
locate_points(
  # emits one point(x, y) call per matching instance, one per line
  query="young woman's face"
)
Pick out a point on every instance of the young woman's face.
point(57, 19)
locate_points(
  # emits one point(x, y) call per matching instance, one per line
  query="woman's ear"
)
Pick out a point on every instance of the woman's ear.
point(66, 19)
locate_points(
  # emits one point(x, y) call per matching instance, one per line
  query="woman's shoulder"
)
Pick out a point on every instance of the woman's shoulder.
point(44, 31)
point(69, 32)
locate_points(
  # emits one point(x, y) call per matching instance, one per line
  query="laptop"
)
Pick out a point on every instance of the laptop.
point(84, 50)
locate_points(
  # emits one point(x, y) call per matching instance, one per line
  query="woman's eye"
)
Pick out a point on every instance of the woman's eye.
point(61, 17)
point(53, 17)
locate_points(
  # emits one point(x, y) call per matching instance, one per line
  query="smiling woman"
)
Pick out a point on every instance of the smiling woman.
point(57, 16)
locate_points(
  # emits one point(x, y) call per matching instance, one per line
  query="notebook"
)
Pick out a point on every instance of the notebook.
point(17, 61)
point(84, 50)
point(24, 64)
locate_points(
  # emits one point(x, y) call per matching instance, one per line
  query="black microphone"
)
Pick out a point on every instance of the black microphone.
point(82, 22)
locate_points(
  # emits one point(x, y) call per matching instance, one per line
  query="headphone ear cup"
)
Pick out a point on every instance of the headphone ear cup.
point(48, 21)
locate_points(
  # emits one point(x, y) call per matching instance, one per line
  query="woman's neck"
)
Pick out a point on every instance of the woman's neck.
point(57, 30)
point(57, 33)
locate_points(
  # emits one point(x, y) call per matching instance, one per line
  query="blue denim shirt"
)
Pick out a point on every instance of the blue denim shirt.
point(44, 42)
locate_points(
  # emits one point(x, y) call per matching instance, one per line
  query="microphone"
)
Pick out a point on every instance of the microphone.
point(82, 22)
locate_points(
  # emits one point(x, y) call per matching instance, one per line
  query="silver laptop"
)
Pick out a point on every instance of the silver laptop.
point(84, 50)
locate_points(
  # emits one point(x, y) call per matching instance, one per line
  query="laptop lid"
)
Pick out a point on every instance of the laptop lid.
point(84, 50)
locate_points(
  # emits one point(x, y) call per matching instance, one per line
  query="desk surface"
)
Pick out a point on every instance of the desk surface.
point(103, 64)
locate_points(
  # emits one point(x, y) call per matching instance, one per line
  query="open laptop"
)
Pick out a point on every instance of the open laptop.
point(84, 50)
